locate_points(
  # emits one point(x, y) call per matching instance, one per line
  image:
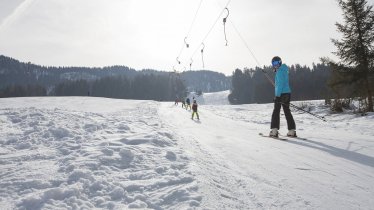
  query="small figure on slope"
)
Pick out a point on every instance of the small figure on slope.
point(183, 102)
point(282, 99)
point(176, 101)
point(194, 110)
point(188, 102)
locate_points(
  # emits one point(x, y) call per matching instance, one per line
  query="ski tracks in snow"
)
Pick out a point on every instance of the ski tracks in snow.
point(237, 169)
point(216, 150)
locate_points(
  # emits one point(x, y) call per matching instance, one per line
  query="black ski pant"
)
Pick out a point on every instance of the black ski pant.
point(282, 101)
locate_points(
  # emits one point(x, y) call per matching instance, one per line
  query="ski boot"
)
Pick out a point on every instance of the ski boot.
point(292, 133)
point(274, 132)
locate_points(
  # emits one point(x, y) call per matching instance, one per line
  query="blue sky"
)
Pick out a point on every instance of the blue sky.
point(150, 33)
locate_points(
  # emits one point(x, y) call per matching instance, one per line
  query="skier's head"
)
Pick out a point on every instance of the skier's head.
point(276, 62)
point(194, 101)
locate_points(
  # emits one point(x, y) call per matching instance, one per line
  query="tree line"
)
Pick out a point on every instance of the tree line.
point(252, 86)
point(17, 78)
point(206, 81)
point(14, 72)
point(23, 91)
point(142, 87)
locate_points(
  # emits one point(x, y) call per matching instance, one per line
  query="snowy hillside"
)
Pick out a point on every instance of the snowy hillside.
point(86, 153)
point(216, 98)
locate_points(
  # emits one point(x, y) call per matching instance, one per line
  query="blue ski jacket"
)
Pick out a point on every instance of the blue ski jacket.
point(281, 81)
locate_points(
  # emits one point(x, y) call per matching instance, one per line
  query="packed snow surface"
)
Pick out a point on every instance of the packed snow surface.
point(216, 98)
point(98, 153)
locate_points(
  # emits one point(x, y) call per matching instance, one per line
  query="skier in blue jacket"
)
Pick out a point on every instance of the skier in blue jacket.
point(282, 98)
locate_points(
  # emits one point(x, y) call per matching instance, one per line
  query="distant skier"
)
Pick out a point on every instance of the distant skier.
point(194, 110)
point(183, 103)
point(176, 101)
point(188, 103)
point(282, 98)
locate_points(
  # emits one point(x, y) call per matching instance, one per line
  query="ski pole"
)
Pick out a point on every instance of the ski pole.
point(268, 77)
point(300, 109)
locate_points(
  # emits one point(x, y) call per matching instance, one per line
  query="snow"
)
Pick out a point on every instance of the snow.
point(99, 153)
point(215, 98)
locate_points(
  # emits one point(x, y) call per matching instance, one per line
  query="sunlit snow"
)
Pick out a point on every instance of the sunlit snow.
point(86, 153)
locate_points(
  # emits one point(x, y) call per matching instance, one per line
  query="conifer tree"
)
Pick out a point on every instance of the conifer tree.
point(355, 50)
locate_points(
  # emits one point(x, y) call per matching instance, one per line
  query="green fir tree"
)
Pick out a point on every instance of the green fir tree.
point(353, 74)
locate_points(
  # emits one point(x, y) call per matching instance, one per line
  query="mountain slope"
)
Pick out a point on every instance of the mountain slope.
point(14, 72)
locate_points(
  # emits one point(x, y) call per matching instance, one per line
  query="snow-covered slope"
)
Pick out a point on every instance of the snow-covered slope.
point(83, 152)
point(216, 98)
point(59, 153)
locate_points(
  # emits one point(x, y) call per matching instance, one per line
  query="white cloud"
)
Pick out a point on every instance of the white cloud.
point(10, 14)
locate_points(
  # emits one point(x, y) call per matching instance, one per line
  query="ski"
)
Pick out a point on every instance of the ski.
point(277, 138)
point(291, 137)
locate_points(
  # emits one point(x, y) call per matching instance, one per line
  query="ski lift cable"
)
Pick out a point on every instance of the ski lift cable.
point(211, 28)
point(249, 50)
point(241, 37)
point(268, 77)
point(224, 23)
point(194, 19)
point(245, 43)
point(202, 54)
point(189, 30)
point(185, 42)
point(251, 53)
